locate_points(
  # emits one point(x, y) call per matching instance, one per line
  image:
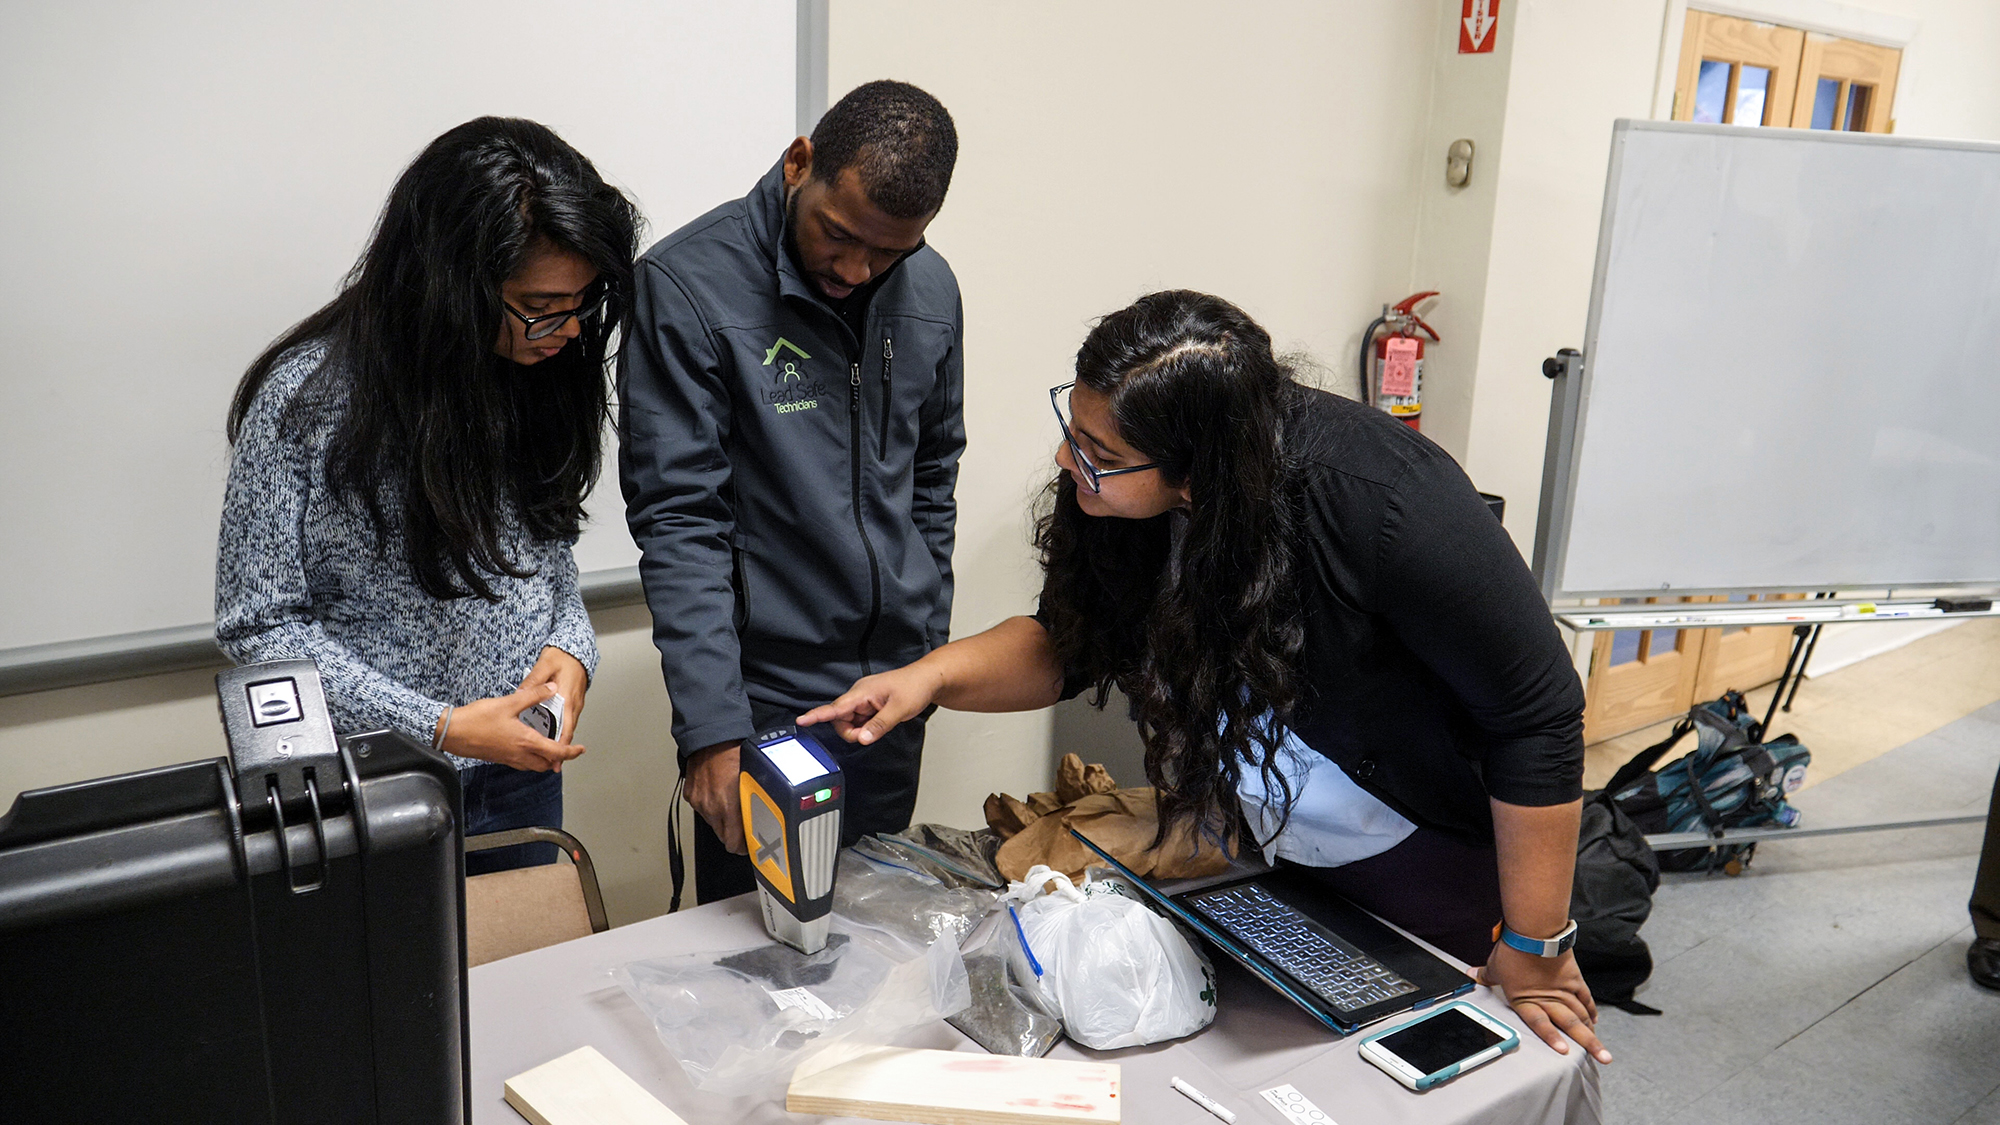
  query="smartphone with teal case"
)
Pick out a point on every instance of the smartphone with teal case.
point(1439, 1045)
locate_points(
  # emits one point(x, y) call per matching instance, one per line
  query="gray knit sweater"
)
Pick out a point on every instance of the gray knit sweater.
point(300, 575)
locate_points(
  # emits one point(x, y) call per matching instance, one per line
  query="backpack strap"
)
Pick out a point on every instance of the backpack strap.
point(1698, 789)
point(1636, 768)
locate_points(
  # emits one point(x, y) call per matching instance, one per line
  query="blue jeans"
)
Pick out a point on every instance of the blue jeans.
point(501, 797)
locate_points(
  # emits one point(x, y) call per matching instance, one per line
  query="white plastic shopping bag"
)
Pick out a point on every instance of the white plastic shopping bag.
point(1119, 974)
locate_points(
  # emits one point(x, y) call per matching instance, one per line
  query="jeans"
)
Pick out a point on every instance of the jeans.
point(501, 797)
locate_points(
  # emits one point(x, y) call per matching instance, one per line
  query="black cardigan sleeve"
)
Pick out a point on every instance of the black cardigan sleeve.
point(1451, 585)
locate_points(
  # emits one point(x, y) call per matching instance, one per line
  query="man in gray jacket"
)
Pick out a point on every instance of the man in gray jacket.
point(790, 399)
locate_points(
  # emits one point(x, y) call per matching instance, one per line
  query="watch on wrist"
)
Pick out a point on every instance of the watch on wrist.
point(1540, 947)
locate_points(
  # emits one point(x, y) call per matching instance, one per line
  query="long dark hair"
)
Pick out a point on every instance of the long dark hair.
point(454, 441)
point(1203, 637)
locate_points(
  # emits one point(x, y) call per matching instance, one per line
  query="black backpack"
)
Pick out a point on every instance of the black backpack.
point(1616, 875)
point(1730, 780)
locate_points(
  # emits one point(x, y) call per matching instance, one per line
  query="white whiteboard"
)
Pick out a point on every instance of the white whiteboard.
point(184, 181)
point(1791, 375)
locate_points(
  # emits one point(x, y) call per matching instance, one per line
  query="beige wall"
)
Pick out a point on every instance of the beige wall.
point(1288, 156)
point(1267, 152)
point(1576, 66)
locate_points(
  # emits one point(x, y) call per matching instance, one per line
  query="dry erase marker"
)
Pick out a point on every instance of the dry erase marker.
point(1202, 1100)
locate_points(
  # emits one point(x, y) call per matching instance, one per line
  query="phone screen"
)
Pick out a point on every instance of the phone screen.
point(1448, 1037)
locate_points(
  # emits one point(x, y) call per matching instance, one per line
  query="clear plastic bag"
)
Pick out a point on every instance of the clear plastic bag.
point(956, 857)
point(740, 1022)
point(881, 888)
point(1119, 974)
point(1010, 1014)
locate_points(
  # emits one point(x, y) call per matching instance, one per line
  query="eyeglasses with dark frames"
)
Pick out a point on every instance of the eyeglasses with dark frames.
point(548, 324)
point(1091, 473)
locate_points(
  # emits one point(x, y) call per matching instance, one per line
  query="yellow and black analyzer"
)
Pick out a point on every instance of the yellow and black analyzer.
point(792, 798)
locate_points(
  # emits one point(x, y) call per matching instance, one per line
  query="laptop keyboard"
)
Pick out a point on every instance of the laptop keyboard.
point(1340, 974)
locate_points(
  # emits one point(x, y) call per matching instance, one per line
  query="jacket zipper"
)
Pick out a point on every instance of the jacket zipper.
point(888, 353)
point(860, 525)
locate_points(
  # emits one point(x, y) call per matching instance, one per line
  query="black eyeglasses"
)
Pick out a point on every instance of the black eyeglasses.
point(546, 325)
point(1059, 399)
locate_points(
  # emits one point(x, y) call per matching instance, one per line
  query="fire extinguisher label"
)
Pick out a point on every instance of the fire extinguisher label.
point(1399, 367)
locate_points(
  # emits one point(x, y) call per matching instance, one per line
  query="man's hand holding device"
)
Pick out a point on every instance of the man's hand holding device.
point(712, 788)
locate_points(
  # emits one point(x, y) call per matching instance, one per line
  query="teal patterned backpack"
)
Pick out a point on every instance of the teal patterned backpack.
point(1730, 780)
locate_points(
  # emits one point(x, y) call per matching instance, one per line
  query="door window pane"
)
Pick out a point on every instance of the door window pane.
point(1625, 646)
point(1711, 91)
point(1728, 629)
point(1826, 103)
point(1753, 85)
point(1858, 97)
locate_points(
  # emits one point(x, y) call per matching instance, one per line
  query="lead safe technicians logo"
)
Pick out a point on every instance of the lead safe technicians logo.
point(791, 388)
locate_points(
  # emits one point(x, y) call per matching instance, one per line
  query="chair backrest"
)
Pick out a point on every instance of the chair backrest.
point(526, 908)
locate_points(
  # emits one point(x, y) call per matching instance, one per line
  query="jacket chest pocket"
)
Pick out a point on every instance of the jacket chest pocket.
point(899, 373)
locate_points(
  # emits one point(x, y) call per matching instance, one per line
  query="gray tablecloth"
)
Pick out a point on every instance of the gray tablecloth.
point(529, 1009)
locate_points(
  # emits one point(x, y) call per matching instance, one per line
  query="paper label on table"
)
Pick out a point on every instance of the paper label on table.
point(1399, 366)
point(789, 998)
point(1296, 1107)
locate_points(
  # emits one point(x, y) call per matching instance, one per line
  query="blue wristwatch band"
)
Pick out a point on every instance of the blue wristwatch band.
point(1553, 947)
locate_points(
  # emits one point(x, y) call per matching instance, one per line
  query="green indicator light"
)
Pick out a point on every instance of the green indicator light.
point(823, 795)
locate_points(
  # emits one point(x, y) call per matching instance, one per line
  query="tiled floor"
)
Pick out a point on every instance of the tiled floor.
point(1852, 715)
point(1827, 983)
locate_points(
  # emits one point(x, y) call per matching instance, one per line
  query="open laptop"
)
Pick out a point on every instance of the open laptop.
point(1319, 950)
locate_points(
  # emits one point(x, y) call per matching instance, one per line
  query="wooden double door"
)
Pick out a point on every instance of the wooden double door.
point(1639, 677)
point(1739, 72)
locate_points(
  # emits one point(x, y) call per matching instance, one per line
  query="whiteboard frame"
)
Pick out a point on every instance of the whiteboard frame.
point(1569, 404)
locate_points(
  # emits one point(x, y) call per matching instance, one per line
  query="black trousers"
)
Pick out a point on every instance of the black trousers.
point(1444, 891)
point(1985, 904)
point(881, 781)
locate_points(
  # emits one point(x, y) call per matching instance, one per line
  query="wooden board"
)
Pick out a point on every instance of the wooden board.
point(585, 1088)
point(960, 1088)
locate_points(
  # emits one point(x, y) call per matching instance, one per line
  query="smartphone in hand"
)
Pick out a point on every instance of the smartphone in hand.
point(545, 718)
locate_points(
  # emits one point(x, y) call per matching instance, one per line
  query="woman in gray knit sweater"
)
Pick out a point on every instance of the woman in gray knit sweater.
point(411, 461)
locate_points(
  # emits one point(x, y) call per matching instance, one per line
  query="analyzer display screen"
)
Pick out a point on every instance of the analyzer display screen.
point(797, 763)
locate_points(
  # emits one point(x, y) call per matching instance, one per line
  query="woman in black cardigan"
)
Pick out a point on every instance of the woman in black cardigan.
point(1318, 622)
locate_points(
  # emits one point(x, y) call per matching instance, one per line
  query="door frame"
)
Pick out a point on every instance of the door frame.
point(1824, 16)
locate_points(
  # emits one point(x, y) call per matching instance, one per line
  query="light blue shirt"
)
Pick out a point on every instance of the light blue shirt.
point(1333, 822)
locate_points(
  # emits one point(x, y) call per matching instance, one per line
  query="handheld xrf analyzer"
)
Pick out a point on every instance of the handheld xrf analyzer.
point(793, 795)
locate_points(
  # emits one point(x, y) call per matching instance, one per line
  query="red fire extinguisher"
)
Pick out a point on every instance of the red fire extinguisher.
point(1392, 366)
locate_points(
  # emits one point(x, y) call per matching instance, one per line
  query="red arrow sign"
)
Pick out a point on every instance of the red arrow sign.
point(1475, 28)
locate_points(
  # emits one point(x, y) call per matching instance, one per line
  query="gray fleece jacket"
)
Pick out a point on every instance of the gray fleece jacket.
point(789, 484)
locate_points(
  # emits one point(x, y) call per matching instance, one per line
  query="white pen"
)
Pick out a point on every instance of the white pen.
point(1202, 1100)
